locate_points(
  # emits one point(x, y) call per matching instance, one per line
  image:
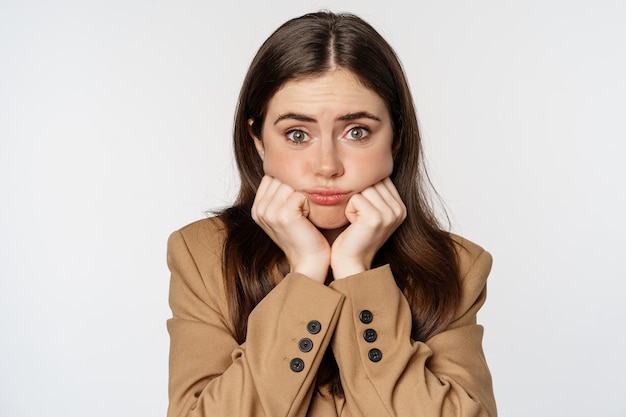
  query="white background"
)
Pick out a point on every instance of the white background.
point(115, 126)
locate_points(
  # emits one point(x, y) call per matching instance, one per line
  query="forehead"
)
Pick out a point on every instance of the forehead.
point(338, 89)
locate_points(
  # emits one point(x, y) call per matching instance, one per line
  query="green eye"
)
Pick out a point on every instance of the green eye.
point(296, 136)
point(357, 133)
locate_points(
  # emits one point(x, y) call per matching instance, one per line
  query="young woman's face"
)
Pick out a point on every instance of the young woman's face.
point(328, 137)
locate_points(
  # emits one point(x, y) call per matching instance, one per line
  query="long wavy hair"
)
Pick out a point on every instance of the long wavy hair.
point(421, 255)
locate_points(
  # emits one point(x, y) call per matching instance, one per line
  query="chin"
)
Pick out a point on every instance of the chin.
point(328, 219)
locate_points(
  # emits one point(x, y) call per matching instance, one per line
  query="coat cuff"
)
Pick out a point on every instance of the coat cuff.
point(288, 333)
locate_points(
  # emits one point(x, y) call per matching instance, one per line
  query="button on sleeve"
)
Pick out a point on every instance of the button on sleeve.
point(370, 335)
point(314, 327)
point(375, 355)
point(305, 344)
point(296, 364)
point(366, 316)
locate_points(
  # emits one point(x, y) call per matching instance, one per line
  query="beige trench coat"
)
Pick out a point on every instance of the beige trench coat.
point(365, 319)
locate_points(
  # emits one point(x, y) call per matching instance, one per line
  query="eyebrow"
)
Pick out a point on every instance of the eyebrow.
point(345, 117)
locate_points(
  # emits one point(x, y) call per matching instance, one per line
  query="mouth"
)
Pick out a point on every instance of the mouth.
point(326, 197)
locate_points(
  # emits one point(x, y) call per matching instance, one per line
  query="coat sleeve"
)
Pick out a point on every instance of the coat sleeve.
point(273, 372)
point(386, 373)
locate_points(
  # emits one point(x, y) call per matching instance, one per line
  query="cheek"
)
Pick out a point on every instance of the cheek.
point(378, 166)
point(270, 165)
point(388, 163)
point(282, 167)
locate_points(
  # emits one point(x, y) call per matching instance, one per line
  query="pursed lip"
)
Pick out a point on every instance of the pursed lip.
point(326, 196)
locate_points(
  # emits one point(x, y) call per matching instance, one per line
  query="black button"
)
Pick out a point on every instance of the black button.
point(296, 364)
point(370, 335)
point(314, 327)
point(305, 344)
point(375, 355)
point(366, 316)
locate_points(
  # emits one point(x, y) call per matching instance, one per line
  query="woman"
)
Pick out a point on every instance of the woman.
point(328, 288)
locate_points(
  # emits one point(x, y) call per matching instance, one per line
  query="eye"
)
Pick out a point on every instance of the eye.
point(358, 133)
point(296, 136)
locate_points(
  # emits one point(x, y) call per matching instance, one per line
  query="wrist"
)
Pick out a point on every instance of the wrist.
point(345, 268)
point(316, 270)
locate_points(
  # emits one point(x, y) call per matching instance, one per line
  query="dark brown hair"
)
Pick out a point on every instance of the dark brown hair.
point(420, 254)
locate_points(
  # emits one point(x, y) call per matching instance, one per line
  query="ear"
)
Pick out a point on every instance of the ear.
point(258, 143)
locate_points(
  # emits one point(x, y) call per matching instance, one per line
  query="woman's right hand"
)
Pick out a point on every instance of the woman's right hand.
point(282, 213)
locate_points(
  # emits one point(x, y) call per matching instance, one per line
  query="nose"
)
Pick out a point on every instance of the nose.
point(328, 162)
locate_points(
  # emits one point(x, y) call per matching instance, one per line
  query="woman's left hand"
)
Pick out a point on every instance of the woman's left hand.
point(374, 214)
